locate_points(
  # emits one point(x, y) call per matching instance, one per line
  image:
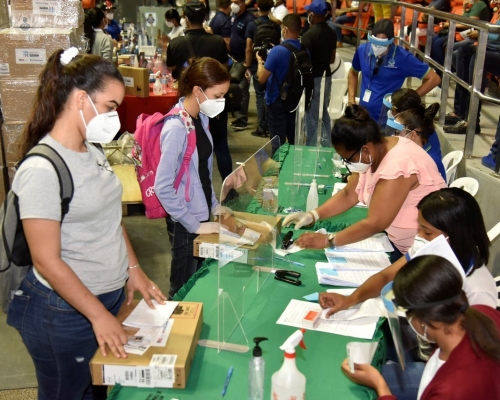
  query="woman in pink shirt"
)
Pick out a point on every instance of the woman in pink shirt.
point(389, 174)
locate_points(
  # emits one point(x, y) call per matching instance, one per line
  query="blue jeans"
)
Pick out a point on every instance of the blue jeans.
point(342, 20)
point(312, 115)
point(403, 384)
point(260, 92)
point(184, 264)
point(281, 123)
point(59, 339)
point(438, 50)
point(218, 129)
point(494, 146)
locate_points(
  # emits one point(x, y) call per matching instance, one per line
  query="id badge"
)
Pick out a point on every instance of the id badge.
point(367, 95)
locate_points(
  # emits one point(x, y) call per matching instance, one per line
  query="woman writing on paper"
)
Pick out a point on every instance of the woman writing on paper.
point(389, 174)
point(466, 362)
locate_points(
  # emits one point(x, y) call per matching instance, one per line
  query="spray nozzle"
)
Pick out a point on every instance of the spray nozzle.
point(257, 351)
point(158, 75)
point(297, 339)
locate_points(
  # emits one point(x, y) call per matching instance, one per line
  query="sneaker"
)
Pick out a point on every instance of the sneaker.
point(235, 121)
point(489, 161)
point(260, 132)
point(240, 125)
point(460, 128)
point(452, 119)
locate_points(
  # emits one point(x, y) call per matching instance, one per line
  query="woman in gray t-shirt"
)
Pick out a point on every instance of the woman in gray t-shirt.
point(66, 307)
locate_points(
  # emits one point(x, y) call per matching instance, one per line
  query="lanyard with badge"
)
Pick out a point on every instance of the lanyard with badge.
point(379, 43)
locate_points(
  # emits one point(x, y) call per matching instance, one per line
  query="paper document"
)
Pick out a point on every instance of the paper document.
point(360, 353)
point(369, 308)
point(362, 328)
point(369, 261)
point(378, 242)
point(339, 186)
point(249, 237)
point(159, 336)
point(143, 316)
point(292, 249)
point(334, 277)
point(137, 344)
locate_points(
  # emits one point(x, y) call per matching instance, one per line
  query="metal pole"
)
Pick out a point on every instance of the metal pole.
point(413, 35)
point(402, 25)
point(358, 27)
point(295, 6)
point(447, 67)
point(477, 81)
point(430, 34)
point(320, 116)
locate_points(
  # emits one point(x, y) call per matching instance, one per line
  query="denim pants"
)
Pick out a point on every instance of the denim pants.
point(462, 54)
point(281, 123)
point(218, 129)
point(438, 51)
point(59, 339)
point(260, 92)
point(494, 146)
point(312, 115)
point(403, 384)
point(184, 265)
point(245, 99)
point(342, 20)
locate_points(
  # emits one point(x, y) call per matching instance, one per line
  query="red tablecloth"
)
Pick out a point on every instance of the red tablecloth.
point(133, 106)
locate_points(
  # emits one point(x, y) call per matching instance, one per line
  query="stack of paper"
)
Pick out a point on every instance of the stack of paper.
point(339, 186)
point(327, 275)
point(378, 242)
point(359, 261)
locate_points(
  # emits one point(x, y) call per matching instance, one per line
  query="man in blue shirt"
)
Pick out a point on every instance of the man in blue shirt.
point(221, 24)
point(112, 27)
point(238, 44)
point(273, 73)
point(384, 67)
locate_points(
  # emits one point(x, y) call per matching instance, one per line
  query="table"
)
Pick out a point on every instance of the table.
point(133, 106)
point(320, 362)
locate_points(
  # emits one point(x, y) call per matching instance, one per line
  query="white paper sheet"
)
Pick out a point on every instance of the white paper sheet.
point(339, 186)
point(158, 336)
point(367, 261)
point(360, 353)
point(249, 237)
point(137, 345)
point(378, 242)
point(143, 316)
point(368, 308)
point(292, 249)
point(363, 328)
point(334, 277)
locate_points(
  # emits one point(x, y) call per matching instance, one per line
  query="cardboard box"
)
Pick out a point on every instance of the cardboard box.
point(46, 14)
point(4, 184)
point(136, 81)
point(12, 142)
point(23, 54)
point(4, 14)
point(18, 96)
point(144, 371)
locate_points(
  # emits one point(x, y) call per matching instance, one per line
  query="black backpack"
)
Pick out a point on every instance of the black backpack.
point(299, 78)
point(15, 257)
point(267, 33)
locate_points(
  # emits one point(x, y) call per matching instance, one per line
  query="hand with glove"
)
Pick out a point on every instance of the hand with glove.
point(301, 219)
point(207, 228)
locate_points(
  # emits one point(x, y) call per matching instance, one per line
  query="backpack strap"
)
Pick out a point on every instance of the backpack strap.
point(66, 187)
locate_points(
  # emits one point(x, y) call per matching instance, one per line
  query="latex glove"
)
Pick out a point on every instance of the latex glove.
point(300, 219)
point(222, 210)
point(208, 227)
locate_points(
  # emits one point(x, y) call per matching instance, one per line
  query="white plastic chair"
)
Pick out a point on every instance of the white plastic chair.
point(347, 66)
point(450, 163)
point(494, 232)
point(337, 103)
point(470, 185)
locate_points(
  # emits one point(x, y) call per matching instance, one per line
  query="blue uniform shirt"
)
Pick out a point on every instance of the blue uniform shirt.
point(433, 148)
point(221, 25)
point(398, 64)
point(277, 64)
point(113, 29)
point(238, 42)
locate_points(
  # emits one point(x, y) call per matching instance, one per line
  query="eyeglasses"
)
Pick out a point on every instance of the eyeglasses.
point(348, 160)
point(399, 133)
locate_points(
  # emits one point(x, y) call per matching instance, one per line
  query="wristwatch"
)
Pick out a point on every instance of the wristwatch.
point(331, 239)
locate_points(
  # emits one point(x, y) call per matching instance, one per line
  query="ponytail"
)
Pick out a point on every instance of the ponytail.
point(421, 119)
point(483, 333)
point(93, 19)
point(84, 72)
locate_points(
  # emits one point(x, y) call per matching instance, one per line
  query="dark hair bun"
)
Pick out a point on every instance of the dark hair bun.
point(432, 110)
point(357, 113)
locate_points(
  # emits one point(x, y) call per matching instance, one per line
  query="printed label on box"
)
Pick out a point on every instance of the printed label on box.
point(125, 375)
point(129, 81)
point(31, 56)
point(144, 376)
point(4, 69)
point(163, 369)
point(47, 7)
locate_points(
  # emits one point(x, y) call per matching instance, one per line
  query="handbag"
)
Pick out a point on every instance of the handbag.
point(237, 71)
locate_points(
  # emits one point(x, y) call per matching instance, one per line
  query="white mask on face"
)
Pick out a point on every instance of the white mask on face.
point(110, 15)
point(211, 107)
point(184, 23)
point(359, 167)
point(103, 127)
point(417, 245)
point(235, 8)
point(378, 50)
point(169, 24)
point(424, 336)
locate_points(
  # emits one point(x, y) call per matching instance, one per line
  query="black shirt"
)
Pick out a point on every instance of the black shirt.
point(221, 25)
point(204, 45)
point(321, 40)
point(204, 148)
point(238, 43)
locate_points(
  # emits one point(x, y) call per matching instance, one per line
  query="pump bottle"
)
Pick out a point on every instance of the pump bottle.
point(256, 372)
point(312, 197)
point(288, 382)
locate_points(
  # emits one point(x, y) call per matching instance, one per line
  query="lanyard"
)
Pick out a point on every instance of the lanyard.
point(378, 65)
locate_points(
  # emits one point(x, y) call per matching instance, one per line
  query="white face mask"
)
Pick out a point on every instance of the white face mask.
point(359, 167)
point(418, 244)
point(183, 22)
point(378, 50)
point(169, 24)
point(235, 8)
point(103, 127)
point(424, 336)
point(110, 15)
point(211, 107)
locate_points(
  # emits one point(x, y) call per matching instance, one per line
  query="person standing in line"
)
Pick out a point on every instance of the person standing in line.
point(173, 21)
point(221, 24)
point(278, 12)
point(100, 43)
point(320, 41)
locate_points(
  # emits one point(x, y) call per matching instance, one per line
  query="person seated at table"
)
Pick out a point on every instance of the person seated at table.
point(466, 362)
point(417, 124)
point(173, 21)
point(202, 87)
point(451, 212)
point(100, 43)
point(389, 174)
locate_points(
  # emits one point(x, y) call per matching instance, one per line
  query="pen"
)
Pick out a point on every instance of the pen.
point(228, 378)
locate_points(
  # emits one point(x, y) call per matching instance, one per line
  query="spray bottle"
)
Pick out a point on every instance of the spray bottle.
point(288, 382)
point(158, 87)
point(256, 372)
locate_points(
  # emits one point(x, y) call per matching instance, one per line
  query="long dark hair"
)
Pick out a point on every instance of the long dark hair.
point(421, 119)
point(430, 279)
point(93, 19)
point(457, 213)
point(202, 72)
point(85, 72)
point(355, 129)
point(403, 99)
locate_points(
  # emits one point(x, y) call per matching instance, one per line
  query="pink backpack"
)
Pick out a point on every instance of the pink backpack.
point(147, 153)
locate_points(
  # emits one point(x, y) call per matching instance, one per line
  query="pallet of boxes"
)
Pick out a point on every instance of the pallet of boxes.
point(37, 29)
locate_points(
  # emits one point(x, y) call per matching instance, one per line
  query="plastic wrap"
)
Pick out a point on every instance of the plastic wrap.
point(12, 141)
point(23, 54)
point(18, 96)
point(46, 13)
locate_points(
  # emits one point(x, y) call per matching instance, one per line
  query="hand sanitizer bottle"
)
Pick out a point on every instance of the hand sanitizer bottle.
point(256, 372)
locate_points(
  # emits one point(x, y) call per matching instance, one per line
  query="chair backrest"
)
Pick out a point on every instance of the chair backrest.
point(493, 232)
point(470, 185)
point(347, 66)
point(450, 163)
point(339, 87)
